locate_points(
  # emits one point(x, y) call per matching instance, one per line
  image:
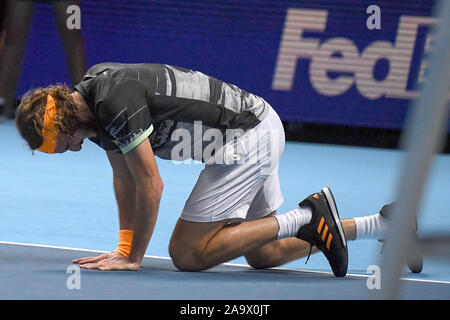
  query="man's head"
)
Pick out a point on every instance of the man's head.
point(54, 119)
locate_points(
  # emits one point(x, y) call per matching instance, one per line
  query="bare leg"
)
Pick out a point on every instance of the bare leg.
point(199, 246)
point(17, 23)
point(279, 252)
point(72, 41)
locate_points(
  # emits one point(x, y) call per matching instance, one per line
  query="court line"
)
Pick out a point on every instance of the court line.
point(226, 264)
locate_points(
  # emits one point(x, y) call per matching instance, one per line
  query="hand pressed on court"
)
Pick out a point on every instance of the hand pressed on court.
point(107, 261)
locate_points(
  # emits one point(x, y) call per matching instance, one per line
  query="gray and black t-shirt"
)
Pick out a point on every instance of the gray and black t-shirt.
point(133, 102)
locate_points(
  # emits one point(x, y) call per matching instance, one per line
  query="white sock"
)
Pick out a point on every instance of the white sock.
point(370, 227)
point(293, 220)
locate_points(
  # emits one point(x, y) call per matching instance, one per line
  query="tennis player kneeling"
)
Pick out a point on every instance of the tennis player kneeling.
point(137, 111)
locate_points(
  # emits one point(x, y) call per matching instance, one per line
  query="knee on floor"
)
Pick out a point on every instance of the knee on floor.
point(186, 260)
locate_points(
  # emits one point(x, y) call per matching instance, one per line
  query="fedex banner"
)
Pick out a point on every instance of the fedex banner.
point(348, 62)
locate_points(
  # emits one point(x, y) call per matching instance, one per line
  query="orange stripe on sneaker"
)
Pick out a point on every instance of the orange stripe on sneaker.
point(324, 234)
point(329, 241)
point(320, 225)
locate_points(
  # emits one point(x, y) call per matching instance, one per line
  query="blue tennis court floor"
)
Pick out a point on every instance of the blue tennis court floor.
point(44, 272)
point(51, 204)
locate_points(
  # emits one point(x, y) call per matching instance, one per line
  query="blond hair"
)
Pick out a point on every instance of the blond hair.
point(30, 113)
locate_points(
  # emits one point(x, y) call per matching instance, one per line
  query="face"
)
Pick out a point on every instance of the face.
point(86, 128)
point(74, 142)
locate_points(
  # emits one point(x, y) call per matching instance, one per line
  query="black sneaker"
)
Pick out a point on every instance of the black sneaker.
point(325, 230)
point(414, 261)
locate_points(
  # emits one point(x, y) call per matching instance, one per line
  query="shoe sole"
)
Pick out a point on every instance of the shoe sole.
point(416, 267)
point(415, 263)
point(332, 205)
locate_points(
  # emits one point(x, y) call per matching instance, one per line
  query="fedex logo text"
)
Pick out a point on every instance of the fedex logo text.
point(357, 67)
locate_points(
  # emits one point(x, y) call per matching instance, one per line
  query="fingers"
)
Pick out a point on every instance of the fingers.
point(94, 263)
point(88, 260)
point(119, 266)
point(80, 260)
point(106, 265)
point(91, 259)
point(90, 265)
point(109, 263)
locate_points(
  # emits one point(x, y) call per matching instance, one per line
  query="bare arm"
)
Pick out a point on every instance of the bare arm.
point(148, 191)
point(125, 192)
point(124, 189)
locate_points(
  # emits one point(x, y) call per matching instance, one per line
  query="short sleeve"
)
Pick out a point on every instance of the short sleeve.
point(124, 113)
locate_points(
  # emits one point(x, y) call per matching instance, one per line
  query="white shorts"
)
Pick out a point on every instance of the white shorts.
point(246, 185)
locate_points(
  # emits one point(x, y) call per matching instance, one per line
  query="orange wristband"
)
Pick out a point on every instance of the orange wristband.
point(125, 242)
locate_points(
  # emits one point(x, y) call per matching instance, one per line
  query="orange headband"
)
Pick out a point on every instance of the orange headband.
point(49, 136)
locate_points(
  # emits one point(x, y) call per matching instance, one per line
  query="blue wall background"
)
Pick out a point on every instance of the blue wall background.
point(236, 41)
